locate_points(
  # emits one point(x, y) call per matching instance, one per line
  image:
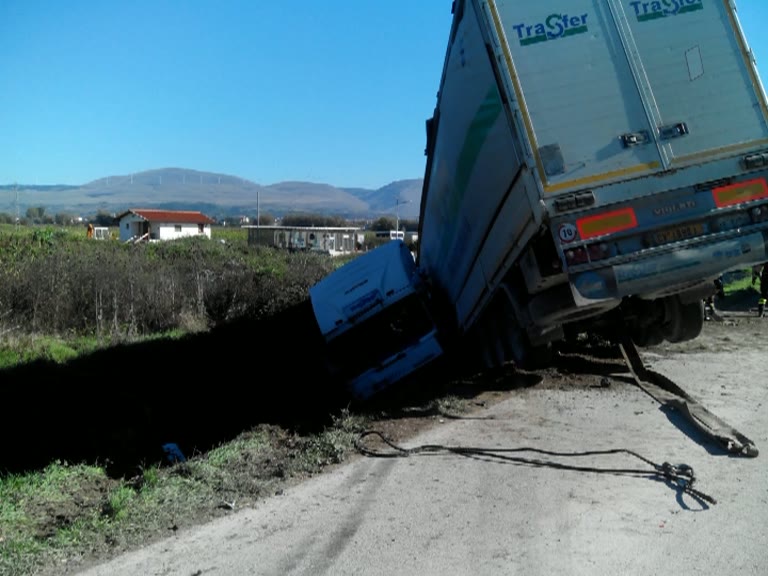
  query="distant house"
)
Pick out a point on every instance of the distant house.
point(139, 224)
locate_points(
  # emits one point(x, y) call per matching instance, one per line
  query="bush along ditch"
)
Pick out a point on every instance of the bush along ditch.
point(52, 286)
point(243, 350)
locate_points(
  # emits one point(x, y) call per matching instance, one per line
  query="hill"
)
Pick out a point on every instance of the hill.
point(215, 194)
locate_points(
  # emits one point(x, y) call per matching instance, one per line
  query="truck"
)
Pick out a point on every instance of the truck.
point(592, 166)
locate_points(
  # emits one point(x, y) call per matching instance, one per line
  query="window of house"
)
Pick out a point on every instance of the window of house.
point(200, 228)
point(177, 227)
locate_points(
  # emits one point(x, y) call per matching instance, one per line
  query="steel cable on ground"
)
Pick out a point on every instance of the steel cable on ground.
point(681, 475)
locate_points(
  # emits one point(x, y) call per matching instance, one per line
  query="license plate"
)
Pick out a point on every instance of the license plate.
point(677, 233)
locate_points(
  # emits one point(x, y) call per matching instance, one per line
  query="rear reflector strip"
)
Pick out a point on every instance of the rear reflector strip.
point(606, 223)
point(740, 192)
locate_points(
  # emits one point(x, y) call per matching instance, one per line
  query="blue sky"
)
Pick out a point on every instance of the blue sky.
point(332, 91)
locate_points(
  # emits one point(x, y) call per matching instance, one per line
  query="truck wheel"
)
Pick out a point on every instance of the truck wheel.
point(524, 354)
point(687, 321)
point(482, 349)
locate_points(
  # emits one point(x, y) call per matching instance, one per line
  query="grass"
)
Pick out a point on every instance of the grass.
point(739, 281)
point(27, 348)
point(740, 294)
point(98, 515)
point(22, 348)
point(27, 538)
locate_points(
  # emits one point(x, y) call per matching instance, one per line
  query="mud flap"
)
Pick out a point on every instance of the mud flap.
point(667, 393)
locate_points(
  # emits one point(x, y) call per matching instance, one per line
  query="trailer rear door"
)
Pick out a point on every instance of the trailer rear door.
point(610, 89)
point(708, 99)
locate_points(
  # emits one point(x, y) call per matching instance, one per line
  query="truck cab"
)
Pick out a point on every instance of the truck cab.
point(376, 317)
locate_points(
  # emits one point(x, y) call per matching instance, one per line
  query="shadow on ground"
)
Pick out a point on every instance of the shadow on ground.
point(119, 406)
point(743, 301)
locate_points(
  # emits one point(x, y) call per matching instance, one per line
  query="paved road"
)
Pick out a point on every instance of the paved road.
point(446, 513)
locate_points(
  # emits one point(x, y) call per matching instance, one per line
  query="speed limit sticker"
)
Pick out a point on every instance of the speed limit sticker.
point(567, 233)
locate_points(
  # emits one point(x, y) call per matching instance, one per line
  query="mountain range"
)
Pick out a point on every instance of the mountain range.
point(217, 195)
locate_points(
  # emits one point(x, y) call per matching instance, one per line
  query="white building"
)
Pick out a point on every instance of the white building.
point(139, 224)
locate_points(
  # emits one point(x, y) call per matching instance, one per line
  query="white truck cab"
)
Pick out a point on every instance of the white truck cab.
point(375, 316)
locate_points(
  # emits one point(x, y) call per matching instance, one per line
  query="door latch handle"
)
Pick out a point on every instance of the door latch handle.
point(673, 131)
point(635, 138)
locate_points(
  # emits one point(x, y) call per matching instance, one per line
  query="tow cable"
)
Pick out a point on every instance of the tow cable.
point(679, 476)
point(669, 394)
point(659, 387)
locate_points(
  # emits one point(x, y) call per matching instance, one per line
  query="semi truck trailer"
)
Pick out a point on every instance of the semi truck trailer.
point(591, 166)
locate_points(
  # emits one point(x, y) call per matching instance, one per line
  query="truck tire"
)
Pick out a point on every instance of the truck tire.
point(686, 322)
point(525, 355)
point(503, 340)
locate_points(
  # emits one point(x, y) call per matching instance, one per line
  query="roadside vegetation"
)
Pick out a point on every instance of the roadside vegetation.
point(740, 282)
point(53, 282)
point(64, 297)
point(739, 292)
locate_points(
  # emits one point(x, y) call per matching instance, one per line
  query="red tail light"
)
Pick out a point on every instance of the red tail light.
point(606, 223)
point(740, 192)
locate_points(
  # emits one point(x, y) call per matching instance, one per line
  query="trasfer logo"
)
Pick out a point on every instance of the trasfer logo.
point(554, 27)
point(645, 11)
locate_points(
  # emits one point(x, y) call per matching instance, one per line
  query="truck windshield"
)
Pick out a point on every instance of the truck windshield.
point(383, 335)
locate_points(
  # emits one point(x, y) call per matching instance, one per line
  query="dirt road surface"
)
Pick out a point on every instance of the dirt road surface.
point(490, 512)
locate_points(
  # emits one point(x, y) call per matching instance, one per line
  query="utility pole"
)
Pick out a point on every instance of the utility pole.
point(16, 187)
point(397, 212)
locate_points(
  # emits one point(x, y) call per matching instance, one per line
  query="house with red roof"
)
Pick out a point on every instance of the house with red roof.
point(147, 225)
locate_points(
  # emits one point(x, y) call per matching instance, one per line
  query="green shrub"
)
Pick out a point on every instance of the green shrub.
point(52, 283)
point(739, 281)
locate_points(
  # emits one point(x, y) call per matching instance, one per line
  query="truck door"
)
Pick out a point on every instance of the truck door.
point(609, 89)
point(704, 92)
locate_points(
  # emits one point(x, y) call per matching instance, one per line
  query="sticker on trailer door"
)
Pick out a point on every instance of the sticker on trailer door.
point(567, 233)
point(645, 11)
point(553, 27)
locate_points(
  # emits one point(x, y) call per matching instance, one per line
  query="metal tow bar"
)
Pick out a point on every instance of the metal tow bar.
point(667, 393)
